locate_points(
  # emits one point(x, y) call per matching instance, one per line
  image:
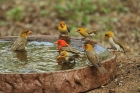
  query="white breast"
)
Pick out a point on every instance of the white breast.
point(114, 45)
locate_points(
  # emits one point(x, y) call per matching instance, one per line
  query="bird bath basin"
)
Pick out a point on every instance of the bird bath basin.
point(37, 71)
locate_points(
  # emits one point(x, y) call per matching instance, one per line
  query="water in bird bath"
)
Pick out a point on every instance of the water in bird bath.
point(38, 57)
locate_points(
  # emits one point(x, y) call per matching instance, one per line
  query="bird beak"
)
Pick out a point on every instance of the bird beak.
point(56, 42)
point(83, 47)
point(76, 30)
point(62, 25)
point(68, 45)
point(59, 57)
point(29, 33)
point(104, 36)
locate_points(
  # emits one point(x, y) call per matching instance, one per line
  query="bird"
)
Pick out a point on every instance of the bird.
point(86, 32)
point(93, 57)
point(114, 43)
point(66, 52)
point(63, 29)
point(61, 43)
point(66, 57)
point(20, 43)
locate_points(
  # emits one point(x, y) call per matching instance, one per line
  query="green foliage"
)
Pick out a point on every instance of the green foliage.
point(43, 13)
point(3, 1)
point(15, 14)
point(82, 11)
point(106, 22)
point(3, 23)
point(73, 33)
point(121, 7)
point(76, 10)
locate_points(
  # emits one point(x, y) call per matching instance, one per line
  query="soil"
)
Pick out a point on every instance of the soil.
point(127, 79)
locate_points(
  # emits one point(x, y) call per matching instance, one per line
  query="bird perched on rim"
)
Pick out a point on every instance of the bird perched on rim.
point(63, 29)
point(86, 32)
point(115, 44)
point(21, 41)
point(61, 43)
point(93, 57)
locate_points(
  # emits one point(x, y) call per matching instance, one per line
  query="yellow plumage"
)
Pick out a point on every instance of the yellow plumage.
point(93, 57)
point(63, 29)
point(86, 32)
point(21, 41)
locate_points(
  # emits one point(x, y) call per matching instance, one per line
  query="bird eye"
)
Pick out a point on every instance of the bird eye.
point(106, 35)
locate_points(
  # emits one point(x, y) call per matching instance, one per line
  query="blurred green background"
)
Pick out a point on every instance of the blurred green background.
point(43, 16)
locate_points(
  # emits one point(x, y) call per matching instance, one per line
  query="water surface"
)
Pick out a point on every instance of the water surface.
point(38, 57)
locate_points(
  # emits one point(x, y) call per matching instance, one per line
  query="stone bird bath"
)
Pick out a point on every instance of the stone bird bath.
point(63, 81)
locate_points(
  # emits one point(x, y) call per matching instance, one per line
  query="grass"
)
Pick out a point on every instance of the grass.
point(77, 12)
point(15, 14)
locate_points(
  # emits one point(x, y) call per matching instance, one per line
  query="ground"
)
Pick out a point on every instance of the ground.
point(127, 79)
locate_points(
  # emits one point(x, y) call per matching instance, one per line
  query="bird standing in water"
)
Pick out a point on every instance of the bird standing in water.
point(66, 56)
point(66, 53)
point(21, 41)
point(61, 43)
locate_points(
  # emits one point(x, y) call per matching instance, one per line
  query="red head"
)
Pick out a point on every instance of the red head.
point(61, 43)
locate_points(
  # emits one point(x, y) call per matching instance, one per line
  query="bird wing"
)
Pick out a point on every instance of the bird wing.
point(117, 42)
point(93, 57)
point(19, 44)
point(89, 31)
point(68, 29)
point(69, 49)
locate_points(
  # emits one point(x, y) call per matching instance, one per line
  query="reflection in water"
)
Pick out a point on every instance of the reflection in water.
point(21, 55)
point(66, 66)
point(69, 64)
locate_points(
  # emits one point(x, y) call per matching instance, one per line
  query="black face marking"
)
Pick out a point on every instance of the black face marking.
point(106, 35)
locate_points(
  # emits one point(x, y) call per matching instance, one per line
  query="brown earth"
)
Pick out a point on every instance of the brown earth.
point(127, 79)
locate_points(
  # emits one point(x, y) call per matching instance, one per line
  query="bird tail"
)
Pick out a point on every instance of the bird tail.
point(102, 69)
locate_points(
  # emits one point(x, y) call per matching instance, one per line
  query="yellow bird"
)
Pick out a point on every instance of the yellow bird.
point(21, 41)
point(93, 57)
point(65, 57)
point(63, 29)
point(68, 54)
point(86, 32)
point(115, 44)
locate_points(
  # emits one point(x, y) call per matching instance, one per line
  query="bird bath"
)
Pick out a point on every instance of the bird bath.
point(36, 70)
